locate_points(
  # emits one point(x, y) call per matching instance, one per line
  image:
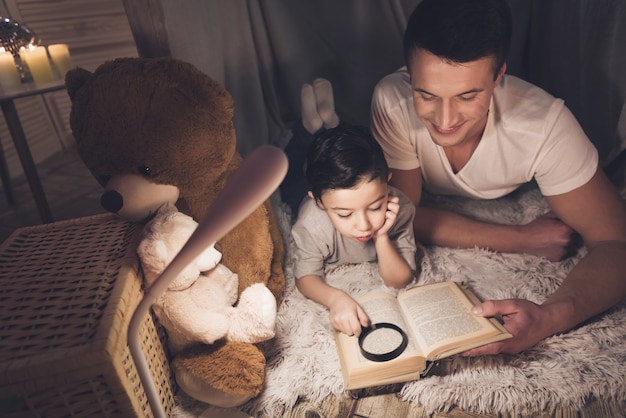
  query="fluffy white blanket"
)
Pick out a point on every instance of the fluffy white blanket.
point(563, 370)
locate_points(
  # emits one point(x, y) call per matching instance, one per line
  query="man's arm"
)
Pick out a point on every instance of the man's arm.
point(546, 236)
point(596, 283)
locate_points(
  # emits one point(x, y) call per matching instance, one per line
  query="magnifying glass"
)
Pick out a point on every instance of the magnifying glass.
point(382, 341)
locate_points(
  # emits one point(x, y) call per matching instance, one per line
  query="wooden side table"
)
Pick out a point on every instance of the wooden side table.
point(7, 104)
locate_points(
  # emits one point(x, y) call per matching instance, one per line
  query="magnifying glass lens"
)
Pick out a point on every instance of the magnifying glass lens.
point(382, 342)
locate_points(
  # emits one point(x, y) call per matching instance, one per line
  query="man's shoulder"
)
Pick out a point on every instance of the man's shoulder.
point(514, 91)
point(396, 83)
point(519, 103)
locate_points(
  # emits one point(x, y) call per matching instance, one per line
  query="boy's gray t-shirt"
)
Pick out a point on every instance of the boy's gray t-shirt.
point(320, 246)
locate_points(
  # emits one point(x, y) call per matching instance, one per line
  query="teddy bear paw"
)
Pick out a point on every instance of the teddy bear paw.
point(226, 374)
point(254, 318)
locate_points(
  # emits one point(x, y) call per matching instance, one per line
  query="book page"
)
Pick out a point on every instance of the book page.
point(383, 307)
point(361, 372)
point(440, 314)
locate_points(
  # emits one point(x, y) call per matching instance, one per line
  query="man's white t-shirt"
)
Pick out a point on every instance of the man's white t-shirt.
point(529, 134)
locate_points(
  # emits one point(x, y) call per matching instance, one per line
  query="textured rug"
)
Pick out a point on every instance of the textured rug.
point(563, 370)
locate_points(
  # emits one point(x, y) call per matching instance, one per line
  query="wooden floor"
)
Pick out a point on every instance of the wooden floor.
point(390, 406)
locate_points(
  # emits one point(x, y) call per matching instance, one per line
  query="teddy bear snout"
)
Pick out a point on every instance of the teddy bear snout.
point(112, 201)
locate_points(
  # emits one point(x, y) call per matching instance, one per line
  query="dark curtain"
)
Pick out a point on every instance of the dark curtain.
point(262, 51)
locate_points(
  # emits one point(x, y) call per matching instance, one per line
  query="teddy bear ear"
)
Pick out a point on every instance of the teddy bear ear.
point(74, 80)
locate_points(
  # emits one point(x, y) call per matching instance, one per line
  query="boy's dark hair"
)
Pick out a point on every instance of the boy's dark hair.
point(460, 30)
point(342, 157)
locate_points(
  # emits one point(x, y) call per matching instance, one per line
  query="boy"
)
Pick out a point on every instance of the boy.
point(351, 216)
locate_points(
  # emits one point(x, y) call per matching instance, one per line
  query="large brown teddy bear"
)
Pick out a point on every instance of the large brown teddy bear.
point(157, 130)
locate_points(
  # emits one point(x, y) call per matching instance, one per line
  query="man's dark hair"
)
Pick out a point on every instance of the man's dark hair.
point(342, 157)
point(460, 30)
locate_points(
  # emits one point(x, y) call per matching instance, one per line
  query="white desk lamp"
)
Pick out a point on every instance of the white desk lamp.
point(253, 183)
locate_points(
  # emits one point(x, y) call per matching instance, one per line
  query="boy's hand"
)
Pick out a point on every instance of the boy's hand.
point(393, 207)
point(347, 316)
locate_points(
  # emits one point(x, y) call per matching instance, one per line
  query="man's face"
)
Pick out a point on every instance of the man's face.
point(452, 99)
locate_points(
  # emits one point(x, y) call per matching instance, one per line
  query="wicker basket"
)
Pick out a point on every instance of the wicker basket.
point(67, 293)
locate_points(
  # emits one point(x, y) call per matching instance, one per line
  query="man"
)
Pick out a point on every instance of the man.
point(455, 124)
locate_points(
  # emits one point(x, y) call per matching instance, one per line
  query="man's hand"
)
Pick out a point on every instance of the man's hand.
point(549, 237)
point(346, 315)
point(525, 320)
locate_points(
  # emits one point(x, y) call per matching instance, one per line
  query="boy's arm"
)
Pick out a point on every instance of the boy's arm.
point(393, 268)
point(346, 315)
point(316, 289)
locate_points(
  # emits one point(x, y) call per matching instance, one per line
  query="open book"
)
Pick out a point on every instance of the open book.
point(437, 321)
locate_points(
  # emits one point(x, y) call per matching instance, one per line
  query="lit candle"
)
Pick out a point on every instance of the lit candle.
point(9, 77)
point(60, 55)
point(38, 64)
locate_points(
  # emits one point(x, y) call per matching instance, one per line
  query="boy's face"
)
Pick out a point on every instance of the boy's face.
point(359, 212)
point(452, 99)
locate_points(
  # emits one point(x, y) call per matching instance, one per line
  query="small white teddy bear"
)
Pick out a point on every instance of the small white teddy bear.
point(198, 305)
